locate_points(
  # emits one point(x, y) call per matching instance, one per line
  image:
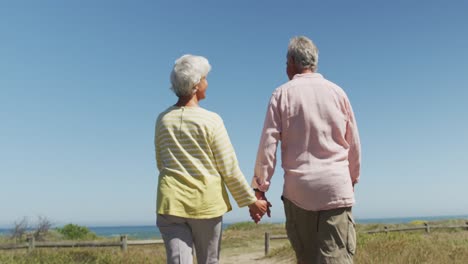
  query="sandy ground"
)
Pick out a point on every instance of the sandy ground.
point(248, 258)
point(255, 258)
point(252, 255)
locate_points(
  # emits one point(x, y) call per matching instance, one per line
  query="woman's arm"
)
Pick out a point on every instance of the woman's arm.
point(228, 167)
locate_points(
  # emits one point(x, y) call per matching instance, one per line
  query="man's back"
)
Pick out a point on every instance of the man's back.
point(320, 152)
point(315, 124)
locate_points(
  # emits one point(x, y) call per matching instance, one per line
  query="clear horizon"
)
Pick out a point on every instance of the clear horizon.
point(83, 82)
point(388, 220)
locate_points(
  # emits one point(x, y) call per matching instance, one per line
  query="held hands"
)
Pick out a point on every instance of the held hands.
point(260, 207)
point(257, 210)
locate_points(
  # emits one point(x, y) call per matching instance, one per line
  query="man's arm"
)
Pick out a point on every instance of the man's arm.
point(266, 155)
point(352, 138)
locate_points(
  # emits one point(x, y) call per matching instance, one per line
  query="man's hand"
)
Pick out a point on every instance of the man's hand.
point(261, 196)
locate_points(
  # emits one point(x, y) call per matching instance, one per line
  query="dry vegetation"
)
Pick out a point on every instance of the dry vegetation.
point(439, 246)
point(135, 255)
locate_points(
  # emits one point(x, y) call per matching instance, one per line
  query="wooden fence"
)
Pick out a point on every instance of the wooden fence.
point(426, 227)
point(268, 237)
point(123, 244)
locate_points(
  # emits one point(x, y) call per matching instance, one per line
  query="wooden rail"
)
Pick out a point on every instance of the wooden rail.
point(268, 237)
point(426, 227)
point(123, 244)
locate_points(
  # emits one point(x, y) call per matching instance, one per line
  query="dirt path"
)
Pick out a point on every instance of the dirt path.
point(252, 257)
point(252, 253)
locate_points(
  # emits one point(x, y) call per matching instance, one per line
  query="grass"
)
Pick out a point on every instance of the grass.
point(135, 255)
point(439, 246)
point(149, 254)
point(400, 248)
point(414, 247)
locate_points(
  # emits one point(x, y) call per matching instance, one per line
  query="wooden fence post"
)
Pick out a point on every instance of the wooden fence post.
point(31, 243)
point(428, 228)
point(123, 240)
point(267, 243)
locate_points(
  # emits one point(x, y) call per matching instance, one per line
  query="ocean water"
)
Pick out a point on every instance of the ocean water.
point(133, 232)
point(402, 220)
point(152, 232)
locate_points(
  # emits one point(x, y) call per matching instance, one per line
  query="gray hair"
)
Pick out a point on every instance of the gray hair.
point(187, 72)
point(304, 52)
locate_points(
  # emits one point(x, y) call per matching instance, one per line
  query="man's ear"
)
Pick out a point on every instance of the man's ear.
point(291, 60)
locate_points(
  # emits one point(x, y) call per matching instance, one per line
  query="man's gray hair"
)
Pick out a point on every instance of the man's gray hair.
point(187, 72)
point(304, 52)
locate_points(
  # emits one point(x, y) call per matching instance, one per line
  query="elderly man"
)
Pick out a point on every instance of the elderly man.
point(320, 150)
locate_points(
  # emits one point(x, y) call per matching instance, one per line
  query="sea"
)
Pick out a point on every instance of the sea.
point(152, 232)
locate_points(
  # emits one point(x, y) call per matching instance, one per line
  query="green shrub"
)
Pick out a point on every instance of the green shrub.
point(76, 232)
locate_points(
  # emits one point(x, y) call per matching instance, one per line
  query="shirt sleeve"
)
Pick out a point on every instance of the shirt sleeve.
point(266, 155)
point(352, 138)
point(157, 149)
point(228, 167)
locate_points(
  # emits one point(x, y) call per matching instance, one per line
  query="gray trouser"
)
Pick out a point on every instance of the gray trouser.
point(181, 234)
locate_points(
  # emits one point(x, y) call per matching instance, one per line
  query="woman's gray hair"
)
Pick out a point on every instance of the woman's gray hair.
point(187, 72)
point(304, 52)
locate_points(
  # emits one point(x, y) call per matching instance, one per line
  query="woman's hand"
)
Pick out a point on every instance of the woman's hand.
point(258, 209)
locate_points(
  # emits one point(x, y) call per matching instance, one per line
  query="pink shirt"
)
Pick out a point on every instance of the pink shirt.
point(320, 148)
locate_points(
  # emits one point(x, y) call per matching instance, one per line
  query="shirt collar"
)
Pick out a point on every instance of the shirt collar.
point(308, 75)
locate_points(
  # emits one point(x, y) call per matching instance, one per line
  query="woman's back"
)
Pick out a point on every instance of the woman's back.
point(190, 184)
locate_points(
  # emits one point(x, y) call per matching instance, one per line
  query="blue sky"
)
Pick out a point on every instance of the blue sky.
point(81, 83)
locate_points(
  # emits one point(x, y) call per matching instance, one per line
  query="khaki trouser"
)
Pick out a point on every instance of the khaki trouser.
point(321, 236)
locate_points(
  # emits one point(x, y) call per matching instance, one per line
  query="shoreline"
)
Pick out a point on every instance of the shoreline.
point(151, 231)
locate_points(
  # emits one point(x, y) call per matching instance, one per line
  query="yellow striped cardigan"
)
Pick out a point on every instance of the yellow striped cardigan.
point(196, 160)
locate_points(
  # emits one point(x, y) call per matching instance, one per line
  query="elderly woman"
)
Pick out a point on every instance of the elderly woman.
point(196, 161)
